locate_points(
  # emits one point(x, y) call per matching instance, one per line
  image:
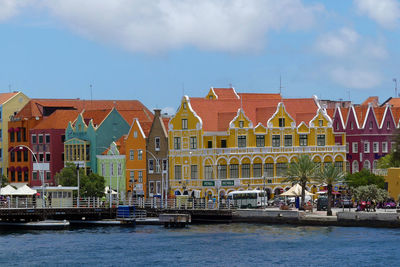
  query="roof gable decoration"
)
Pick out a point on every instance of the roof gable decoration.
point(321, 114)
point(185, 105)
point(260, 129)
point(338, 112)
point(388, 112)
point(211, 94)
point(352, 111)
point(303, 128)
point(370, 109)
point(281, 113)
point(80, 125)
point(135, 126)
point(113, 150)
point(239, 119)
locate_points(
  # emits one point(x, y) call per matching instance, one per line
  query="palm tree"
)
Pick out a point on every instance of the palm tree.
point(301, 172)
point(330, 175)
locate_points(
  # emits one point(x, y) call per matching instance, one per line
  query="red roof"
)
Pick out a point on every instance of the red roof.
point(4, 97)
point(225, 93)
point(58, 120)
point(374, 100)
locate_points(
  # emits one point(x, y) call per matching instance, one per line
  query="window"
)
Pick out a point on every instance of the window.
point(131, 176)
point(131, 154)
point(320, 140)
point(158, 187)
point(281, 169)
point(234, 170)
point(337, 125)
point(63, 138)
point(40, 138)
point(276, 140)
point(241, 124)
point(184, 104)
point(260, 140)
point(388, 125)
point(393, 146)
point(158, 167)
point(135, 134)
point(140, 176)
point(19, 135)
point(25, 155)
point(208, 172)
point(209, 144)
point(12, 156)
point(351, 125)
point(151, 165)
point(370, 125)
point(221, 171)
point(347, 147)
point(178, 172)
point(12, 137)
point(384, 147)
point(288, 140)
point(184, 124)
point(193, 142)
point(140, 154)
point(355, 147)
point(246, 170)
point(48, 157)
point(177, 143)
point(193, 172)
point(157, 143)
point(339, 165)
point(375, 164)
point(13, 176)
point(303, 140)
point(348, 167)
point(164, 165)
point(355, 166)
point(320, 123)
point(47, 139)
point(366, 147)
point(151, 185)
point(269, 169)
point(111, 169)
point(19, 156)
point(257, 170)
point(376, 147)
point(223, 143)
point(281, 122)
point(48, 176)
point(103, 169)
point(41, 157)
point(19, 176)
point(367, 165)
point(34, 176)
point(241, 141)
point(119, 169)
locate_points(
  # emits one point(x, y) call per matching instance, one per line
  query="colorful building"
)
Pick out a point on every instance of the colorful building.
point(235, 141)
point(111, 165)
point(10, 104)
point(136, 157)
point(157, 156)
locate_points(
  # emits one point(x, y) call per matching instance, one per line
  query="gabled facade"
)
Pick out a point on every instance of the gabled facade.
point(111, 165)
point(220, 144)
point(369, 134)
point(157, 156)
point(136, 156)
point(90, 134)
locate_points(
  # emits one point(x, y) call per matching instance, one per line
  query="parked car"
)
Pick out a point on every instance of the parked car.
point(276, 201)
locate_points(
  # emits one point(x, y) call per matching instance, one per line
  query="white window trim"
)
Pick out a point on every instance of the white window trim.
point(366, 147)
point(376, 145)
point(354, 147)
point(384, 147)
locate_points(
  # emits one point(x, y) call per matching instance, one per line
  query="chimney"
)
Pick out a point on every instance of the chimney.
point(157, 112)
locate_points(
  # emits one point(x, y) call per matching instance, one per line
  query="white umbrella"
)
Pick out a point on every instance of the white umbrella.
point(7, 190)
point(295, 191)
point(112, 191)
point(24, 191)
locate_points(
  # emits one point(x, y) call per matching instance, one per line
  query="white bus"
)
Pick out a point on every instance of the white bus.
point(248, 198)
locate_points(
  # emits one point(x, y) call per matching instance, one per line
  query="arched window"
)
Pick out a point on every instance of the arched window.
point(367, 165)
point(375, 165)
point(348, 167)
point(355, 166)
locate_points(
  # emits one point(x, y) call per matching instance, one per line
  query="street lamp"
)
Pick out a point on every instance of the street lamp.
point(264, 190)
point(77, 171)
point(40, 171)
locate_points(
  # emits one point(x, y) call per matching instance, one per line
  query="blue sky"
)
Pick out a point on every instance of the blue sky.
point(156, 51)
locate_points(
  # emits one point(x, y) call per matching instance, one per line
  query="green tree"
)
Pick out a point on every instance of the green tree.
point(370, 192)
point(364, 177)
point(3, 180)
point(301, 172)
point(89, 186)
point(388, 161)
point(329, 175)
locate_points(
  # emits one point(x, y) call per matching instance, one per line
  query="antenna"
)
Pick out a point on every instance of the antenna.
point(91, 93)
point(9, 88)
point(280, 84)
point(395, 87)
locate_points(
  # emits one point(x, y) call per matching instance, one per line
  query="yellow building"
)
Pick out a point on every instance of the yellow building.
point(230, 141)
point(392, 180)
point(10, 104)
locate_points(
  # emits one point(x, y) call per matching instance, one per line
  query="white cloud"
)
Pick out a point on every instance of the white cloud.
point(338, 43)
point(358, 78)
point(161, 25)
point(10, 8)
point(384, 12)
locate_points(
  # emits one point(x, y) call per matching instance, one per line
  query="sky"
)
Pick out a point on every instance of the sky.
point(157, 51)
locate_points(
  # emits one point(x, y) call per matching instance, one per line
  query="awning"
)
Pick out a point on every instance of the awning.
point(24, 191)
point(295, 191)
point(7, 190)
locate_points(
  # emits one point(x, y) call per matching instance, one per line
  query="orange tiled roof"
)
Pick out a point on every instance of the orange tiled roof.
point(166, 121)
point(225, 93)
point(146, 127)
point(374, 100)
point(6, 96)
point(143, 115)
point(58, 120)
point(396, 114)
point(361, 112)
point(395, 102)
point(96, 115)
point(246, 96)
point(379, 111)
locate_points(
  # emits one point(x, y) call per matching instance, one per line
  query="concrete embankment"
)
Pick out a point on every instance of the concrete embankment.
point(365, 219)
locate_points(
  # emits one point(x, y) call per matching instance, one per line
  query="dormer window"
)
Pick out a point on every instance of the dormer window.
point(241, 124)
point(320, 123)
point(388, 125)
point(210, 97)
point(370, 125)
point(351, 125)
point(281, 122)
point(337, 126)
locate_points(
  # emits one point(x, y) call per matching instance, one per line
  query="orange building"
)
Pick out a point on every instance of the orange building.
point(135, 151)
